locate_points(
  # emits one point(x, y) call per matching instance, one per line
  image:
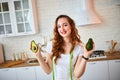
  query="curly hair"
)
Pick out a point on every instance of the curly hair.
point(57, 44)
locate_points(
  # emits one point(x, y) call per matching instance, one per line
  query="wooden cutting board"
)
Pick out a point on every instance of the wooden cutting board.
point(11, 63)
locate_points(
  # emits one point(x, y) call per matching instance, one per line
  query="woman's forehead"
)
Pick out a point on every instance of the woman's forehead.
point(62, 20)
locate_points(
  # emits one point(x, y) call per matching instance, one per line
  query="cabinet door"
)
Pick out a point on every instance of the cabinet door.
point(114, 69)
point(8, 74)
point(26, 73)
point(18, 17)
point(41, 75)
point(97, 70)
point(24, 16)
point(5, 18)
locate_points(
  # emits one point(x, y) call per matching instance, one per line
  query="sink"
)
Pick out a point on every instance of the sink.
point(32, 61)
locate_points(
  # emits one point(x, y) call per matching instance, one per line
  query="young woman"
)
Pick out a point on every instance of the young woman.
point(67, 55)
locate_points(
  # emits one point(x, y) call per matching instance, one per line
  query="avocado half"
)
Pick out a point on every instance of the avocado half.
point(89, 45)
point(34, 46)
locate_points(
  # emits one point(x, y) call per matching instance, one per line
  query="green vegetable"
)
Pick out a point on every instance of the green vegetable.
point(89, 45)
point(34, 46)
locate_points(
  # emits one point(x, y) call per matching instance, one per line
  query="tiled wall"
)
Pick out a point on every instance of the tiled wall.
point(109, 28)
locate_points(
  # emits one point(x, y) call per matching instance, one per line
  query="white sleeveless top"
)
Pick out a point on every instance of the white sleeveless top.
point(62, 68)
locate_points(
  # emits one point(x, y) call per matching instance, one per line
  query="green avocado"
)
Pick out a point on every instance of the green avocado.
point(34, 46)
point(89, 45)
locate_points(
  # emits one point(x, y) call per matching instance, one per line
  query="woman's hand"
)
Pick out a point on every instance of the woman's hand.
point(86, 52)
point(38, 53)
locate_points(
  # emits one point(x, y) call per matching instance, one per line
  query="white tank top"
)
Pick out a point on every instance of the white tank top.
point(62, 68)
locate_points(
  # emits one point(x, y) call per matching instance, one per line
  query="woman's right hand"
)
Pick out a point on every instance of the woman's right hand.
point(38, 50)
point(38, 53)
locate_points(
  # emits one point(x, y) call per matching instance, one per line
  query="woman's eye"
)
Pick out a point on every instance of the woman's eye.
point(65, 24)
point(58, 26)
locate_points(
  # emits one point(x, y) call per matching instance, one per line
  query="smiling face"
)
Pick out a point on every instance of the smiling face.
point(63, 27)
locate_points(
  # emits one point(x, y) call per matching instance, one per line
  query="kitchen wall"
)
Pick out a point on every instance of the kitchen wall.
point(108, 30)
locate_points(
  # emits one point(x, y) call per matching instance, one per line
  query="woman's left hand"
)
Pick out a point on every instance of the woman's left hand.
point(86, 52)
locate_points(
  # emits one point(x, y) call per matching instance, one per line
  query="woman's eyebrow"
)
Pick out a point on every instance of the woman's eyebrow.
point(64, 23)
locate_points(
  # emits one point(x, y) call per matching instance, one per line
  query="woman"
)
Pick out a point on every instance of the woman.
point(67, 55)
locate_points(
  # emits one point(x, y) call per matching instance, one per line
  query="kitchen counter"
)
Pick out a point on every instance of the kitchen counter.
point(109, 56)
point(19, 63)
point(13, 64)
point(26, 64)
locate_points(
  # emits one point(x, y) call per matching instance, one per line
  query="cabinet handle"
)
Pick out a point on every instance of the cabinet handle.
point(117, 61)
point(92, 63)
point(25, 68)
point(6, 70)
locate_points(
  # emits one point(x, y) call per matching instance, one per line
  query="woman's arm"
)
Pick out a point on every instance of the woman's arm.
point(45, 64)
point(81, 62)
point(80, 67)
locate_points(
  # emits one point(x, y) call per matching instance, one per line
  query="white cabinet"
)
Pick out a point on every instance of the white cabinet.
point(8, 74)
point(97, 70)
point(18, 17)
point(26, 73)
point(41, 75)
point(114, 69)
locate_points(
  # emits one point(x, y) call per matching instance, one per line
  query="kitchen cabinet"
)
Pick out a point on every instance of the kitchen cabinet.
point(8, 74)
point(96, 70)
point(25, 73)
point(18, 17)
point(114, 70)
point(41, 75)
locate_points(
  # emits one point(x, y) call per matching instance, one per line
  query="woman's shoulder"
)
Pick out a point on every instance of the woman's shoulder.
point(49, 43)
point(49, 47)
point(79, 44)
point(78, 48)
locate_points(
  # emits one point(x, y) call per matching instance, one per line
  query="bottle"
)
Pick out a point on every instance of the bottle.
point(13, 57)
point(24, 56)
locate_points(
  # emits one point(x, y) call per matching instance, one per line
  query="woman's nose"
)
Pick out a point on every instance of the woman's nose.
point(62, 27)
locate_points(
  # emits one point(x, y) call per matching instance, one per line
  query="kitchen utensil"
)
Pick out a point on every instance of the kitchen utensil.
point(1, 54)
point(113, 44)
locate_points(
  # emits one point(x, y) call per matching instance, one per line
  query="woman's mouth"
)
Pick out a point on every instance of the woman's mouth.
point(63, 32)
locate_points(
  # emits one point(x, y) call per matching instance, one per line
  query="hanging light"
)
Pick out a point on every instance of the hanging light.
point(87, 7)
